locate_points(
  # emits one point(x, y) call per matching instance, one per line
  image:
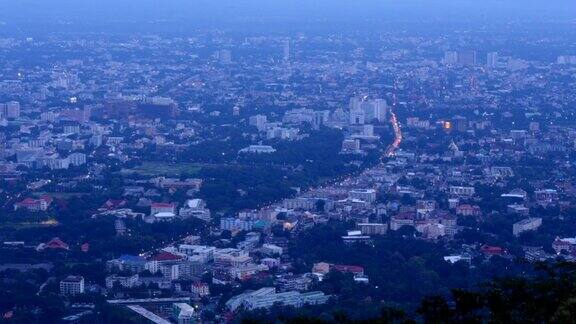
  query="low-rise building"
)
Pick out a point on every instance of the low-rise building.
point(123, 281)
point(72, 285)
point(367, 195)
point(34, 205)
point(259, 149)
point(201, 289)
point(183, 313)
point(462, 191)
point(268, 297)
point(528, 224)
point(157, 208)
point(373, 228)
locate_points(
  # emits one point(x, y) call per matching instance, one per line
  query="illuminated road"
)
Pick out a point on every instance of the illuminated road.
point(397, 135)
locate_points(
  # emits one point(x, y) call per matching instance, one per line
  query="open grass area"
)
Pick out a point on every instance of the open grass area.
point(164, 169)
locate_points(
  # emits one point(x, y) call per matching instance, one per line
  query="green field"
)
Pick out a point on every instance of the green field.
point(164, 169)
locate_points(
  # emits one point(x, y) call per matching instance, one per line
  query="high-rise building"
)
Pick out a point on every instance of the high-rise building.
point(259, 121)
point(450, 58)
point(492, 60)
point(96, 140)
point(467, 58)
point(10, 110)
point(460, 123)
point(381, 109)
point(225, 56)
point(374, 109)
point(357, 117)
point(286, 49)
point(566, 59)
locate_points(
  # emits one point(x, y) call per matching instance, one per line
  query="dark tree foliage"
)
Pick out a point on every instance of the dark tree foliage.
point(547, 296)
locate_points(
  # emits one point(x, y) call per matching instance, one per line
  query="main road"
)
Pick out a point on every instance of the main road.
point(391, 150)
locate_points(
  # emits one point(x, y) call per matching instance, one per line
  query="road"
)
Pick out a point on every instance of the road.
point(391, 150)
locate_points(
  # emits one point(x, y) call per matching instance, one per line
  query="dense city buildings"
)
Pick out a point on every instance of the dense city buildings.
point(222, 173)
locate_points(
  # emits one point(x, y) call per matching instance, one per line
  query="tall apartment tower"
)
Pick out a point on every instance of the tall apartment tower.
point(10, 110)
point(450, 58)
point(286, 49)
point(492, 60)
point(467, 58)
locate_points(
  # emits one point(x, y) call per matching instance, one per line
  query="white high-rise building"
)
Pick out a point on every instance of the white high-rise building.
point(286, 49)
point(10, 110)
point(450, 58)
point(374, 109)
point(357, 117)
point(259, 121)
point(77, 159)
point(96, 140)
point(492, 60)
point(225, 56)
point(381, 109)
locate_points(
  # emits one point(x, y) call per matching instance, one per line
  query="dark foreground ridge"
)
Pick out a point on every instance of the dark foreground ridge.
point(549, 296)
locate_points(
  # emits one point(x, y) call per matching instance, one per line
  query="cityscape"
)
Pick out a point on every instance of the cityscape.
point(394, 163)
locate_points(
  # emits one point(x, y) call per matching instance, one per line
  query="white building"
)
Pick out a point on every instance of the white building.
point(204, 253)
point(271, 249)
point(492, 60)
point(72, 285)
point(199, 288)
point(235, 224)
point(259, 121)
point(162, 217)
point(258, 149)
point(267, 297)
point(183, 313)
point(350, 145)
point(195, 208)
point(156, 208)
point(373, 228)
point(299, 116)
point(124, 281)
point(367, 195)
point(10, 110)
point(450, 58)
point(528, 224)
point(77, 159)
point(462, 191)
point(365, 111)
point(300, 203)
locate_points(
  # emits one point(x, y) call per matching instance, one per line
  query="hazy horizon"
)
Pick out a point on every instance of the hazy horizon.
point(224, 11)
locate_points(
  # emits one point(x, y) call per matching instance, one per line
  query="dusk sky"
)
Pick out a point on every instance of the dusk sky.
point(230, 10)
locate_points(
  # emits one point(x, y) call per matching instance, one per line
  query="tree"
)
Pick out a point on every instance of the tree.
point(435, 310)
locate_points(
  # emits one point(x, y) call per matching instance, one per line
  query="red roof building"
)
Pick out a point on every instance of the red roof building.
point(492, 250)
point(348, 269)
point(112, 204)
point(156, 208)
point(34, 205)
point(468, 210)
point(56, 244)
point(166, 256)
